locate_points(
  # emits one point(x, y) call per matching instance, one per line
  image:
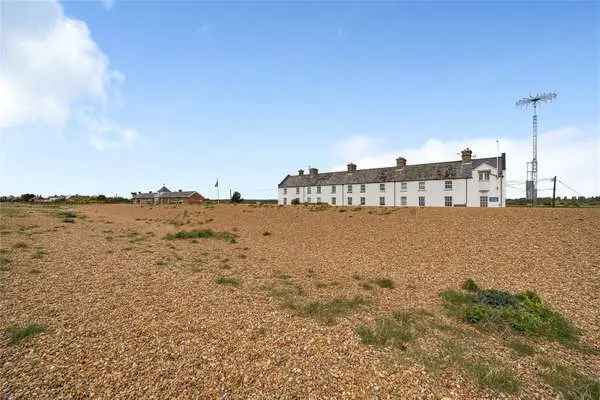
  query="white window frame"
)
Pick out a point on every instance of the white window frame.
point(333, 201)
point(382, 200)
point(349, 189)
point(447, 185)
point(484, 175)
point(349, 201)
point(363, 201)
point(297, 190)
point(422, 186)
point(382, 187)
point(284, 190)
point(403, 186)
point(318, 189)
point(285, 201)
point(483, 201)
point(403, 200)
point(422, 201)
point(333, 188)
point(363, 188)
point(309, 190)
point(318, 199)
point(447, 203)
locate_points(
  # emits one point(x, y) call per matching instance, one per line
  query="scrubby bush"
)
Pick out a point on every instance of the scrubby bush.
point(295, 201)
point(524, 313)
point(236, 197)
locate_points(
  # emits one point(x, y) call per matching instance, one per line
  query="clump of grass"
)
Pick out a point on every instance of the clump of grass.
point(35, 271)
point(39, 253)
point(493, 376)
point(328, 312)
point(356, 277)
point(68, 220)
point(524, 313)
point(571, 384)
point(470, 285)
point(21, 245)
point(384, 283)
point(4, 261)
point(202, 234)
point(366, 286)
point(227, 280)
point(520, 347)
point(394, 331)
point(16, 334)
point(266, 233)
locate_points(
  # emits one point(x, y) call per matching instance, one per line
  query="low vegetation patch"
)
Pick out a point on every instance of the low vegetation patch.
point(16, 334)
point(328, 312)
point(524, 313)
point(202, 234)
point(571, 384)
point(228, 281)
point(384, 283)
point(20, 245)
point(39, 253)
point(394, 331)
point(4, 261)
point(490, 375)
point(520, 347)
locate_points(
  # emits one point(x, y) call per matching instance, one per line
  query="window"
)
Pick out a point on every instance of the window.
point(284, 190)
point(349, 188)
point(362, 201)
point(297, 190)
point(382, 187)
point(333, 200)
point(403, 186)
point(308, 199)
point(309, 190)
point(382, 201)
point(403, 200)
point(362, 188)
point(448, 201)
point(349, 201)
point(448, 185)
point(483, 201)
point(332, 188)
point(284, 201)
point(421, 185)
point(484, 175)
point(421, 201)
point(318, 189)
point(318, 199)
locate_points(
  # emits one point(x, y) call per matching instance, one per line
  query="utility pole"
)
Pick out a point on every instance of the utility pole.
point(554, 193)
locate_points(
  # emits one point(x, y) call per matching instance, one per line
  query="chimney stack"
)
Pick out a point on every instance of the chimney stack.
point(401, 162)
point(466, 155)
point(313, 171)
point(300, 172)
point(351, 167)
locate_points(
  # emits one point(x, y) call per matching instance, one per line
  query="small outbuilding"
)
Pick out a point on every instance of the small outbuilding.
point(165, 196)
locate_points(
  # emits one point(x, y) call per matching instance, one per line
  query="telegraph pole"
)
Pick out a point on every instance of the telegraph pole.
point(554, 192)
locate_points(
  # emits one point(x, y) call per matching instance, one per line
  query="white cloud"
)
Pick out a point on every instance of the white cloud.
point(50, 66)
point(105, 134)
point(108, 4)
point(569, 153)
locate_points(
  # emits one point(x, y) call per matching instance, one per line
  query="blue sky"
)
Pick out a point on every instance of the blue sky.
point(130, 95)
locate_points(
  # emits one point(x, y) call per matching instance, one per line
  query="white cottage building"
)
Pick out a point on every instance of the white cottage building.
point(464, 183)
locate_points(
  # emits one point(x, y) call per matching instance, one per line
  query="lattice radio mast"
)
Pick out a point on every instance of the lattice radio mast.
point(531, 185)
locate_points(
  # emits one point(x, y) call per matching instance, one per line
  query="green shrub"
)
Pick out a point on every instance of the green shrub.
point(394, 331)
point(384, 283)
point(494, 377)
point(229, 281)
point(327, 312)
point(571, 384)
point(17, 334)
point(205, 233)
point(525, 313)
point(470, 285)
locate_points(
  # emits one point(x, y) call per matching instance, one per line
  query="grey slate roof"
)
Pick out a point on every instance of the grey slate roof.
point(417, 172)
point(164, 193)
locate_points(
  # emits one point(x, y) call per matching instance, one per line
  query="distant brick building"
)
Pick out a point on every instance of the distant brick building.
point(165, 196)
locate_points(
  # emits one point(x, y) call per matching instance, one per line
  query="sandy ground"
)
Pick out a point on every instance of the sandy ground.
point(132, 315)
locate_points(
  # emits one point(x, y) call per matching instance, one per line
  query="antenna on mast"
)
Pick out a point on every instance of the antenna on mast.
point(531, 184)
